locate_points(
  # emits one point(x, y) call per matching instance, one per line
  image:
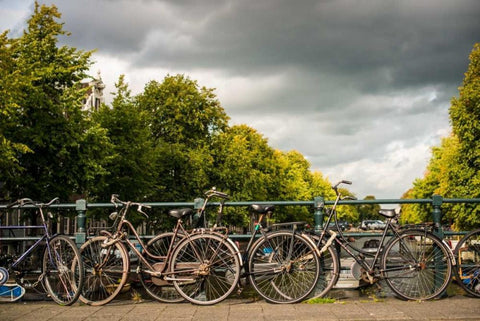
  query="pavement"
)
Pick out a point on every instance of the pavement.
point(344, 307)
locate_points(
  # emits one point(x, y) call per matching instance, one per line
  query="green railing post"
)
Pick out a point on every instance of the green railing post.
point(437, 202)
point(318, 215)
point(81, 208)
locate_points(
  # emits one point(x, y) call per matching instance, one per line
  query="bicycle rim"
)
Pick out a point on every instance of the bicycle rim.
point(417, 265)
point(206, 269)
point(282, 268)
point(158, 288)
point(329, 270)
point(467, 273)
point(106, 270)
point(63, 268)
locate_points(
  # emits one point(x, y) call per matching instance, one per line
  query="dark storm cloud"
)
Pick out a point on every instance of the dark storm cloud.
point(414, 42)
point(361, 88)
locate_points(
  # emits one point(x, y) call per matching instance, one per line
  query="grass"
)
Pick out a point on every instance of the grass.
point(320, 301)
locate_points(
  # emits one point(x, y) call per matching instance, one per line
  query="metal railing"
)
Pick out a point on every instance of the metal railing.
point(317, 205)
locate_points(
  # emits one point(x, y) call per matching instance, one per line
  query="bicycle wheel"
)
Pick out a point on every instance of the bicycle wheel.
point(63, 270)
point(467, 253)
point(329, 269)
point(283, 267)
point(206, 268)
point(417, 265)
point(106, 270)
point(159, 288)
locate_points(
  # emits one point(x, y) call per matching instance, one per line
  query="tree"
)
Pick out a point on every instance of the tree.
point(131, 171)
point(183, 119)
point(182, 112)
point(44, 114)
point(368, 211)
point(454, 168)
point(11, 81)
point(465, 118)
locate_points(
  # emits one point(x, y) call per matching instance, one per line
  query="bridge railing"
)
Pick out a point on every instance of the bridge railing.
point(317, 205)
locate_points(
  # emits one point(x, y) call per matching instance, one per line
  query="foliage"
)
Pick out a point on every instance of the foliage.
point(454, 168)
point(368, 211)
point(131, 172)
point(169, 143)
point(44, 116)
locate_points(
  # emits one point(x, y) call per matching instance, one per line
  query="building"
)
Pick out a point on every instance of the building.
point(95, 97)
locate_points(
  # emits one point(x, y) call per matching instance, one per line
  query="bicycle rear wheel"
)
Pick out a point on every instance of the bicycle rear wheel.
point(467, 253)
point(106, 270)
point(417, 265)
point(329, 269)
point(206, 268)
point(63, 268)
point(283, 267)
point(159, 288)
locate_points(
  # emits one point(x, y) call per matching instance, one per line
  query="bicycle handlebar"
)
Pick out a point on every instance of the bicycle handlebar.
point(115, 200)
point(214, 192)
point(342, 182)
point(24, 201)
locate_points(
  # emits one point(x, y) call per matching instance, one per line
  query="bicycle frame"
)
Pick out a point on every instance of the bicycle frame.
point(357, 254)
point(46, 237)
point(119, 235)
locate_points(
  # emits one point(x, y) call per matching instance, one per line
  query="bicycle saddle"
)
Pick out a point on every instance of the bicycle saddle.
point(181, 212)
point(387, 213)
point(261, 209)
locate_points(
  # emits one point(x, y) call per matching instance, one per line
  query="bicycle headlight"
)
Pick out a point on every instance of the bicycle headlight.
point(113, 215)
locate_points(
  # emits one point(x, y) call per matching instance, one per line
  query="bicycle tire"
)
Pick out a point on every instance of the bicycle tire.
point(417, 265)
point(63, 270)
point(283, 267)
point(106, 270)
point(329, 269)
point(206, 268)
point(158, 288)
point(467, 272)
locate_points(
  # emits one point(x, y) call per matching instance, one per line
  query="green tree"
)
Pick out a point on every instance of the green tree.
point(11, 82)
point(44, 107)
point(368, 211)
point(465, 118)
point(454, 168)
point(132, 169)
point(182, 112)
point(183, 119)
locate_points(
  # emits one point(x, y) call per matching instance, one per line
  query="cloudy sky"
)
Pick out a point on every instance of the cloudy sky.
point(361, 88)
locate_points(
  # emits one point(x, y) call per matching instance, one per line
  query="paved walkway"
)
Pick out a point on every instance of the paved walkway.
point(457, 307)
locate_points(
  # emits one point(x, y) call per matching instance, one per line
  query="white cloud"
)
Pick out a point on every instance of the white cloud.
point(362, 92)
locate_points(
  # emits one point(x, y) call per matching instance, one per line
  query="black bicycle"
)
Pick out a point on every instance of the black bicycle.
point(416, 264)
point(62, 271)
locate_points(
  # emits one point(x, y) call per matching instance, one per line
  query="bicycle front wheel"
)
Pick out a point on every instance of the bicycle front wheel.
point(106, 270)
point(467, 253)
point(157, 287)
point(283, 267)
point(417, 265)
point(205, 268)
point(64, 271)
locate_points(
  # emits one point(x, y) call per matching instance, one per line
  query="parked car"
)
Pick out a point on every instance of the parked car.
point(342, 224)
point(372, 225)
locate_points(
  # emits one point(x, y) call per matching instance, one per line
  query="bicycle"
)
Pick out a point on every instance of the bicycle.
point(281, 264)
point(277, 261)
point(467, 253)
point(157, 286)
point(416, 264)
point(202, 265)
point(62, 270)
